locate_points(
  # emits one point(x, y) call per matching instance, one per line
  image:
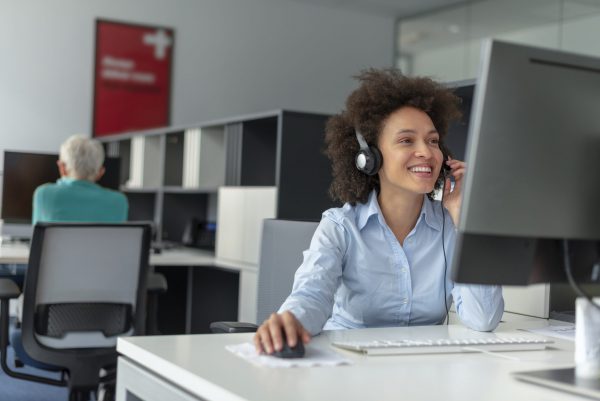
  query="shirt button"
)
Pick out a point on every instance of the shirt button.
point(404, 300)
point(403, 270)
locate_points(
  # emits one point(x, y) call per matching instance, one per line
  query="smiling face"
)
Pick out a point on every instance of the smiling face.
point(412, 159)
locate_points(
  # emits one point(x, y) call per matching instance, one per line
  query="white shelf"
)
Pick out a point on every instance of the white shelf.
point(144, 169)
point(204, 157)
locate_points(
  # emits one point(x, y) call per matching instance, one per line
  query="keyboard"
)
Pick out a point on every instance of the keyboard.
point(439, 346)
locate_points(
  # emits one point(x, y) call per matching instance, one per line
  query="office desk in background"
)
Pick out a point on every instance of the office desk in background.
point(198, 367)
point(18, 253)
point(14, 253)
point(202, 289)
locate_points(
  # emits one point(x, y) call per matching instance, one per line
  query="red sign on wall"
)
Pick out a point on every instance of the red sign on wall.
point(132, 79)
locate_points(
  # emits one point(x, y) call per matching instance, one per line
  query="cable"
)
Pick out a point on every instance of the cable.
point(447, 317)
point(576, 287)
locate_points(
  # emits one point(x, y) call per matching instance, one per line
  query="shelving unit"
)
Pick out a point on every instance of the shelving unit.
point(179, 170)
point(233, 173)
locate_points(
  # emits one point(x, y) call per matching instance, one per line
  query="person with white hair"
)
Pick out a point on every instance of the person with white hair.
point(76, 196)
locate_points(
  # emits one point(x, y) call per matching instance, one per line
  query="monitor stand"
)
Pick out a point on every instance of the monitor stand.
point(562, 379)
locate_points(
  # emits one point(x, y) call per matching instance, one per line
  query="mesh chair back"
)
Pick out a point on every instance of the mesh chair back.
point(282, 246)
point(85, 280)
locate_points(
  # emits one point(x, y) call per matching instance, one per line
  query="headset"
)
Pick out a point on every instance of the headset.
point(368, 159)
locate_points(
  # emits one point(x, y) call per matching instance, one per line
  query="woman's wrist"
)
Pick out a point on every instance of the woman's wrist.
point(454, 215)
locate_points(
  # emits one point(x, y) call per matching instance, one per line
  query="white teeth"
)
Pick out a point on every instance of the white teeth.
point(420, 169)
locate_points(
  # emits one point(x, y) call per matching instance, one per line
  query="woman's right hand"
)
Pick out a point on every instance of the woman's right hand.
point(268, 337)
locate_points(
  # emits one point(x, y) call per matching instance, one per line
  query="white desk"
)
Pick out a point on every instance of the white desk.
point(199, 368)
point(17, 253)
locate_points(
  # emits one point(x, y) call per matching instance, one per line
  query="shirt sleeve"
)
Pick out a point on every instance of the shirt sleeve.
point(479, 307)
point(318, 277)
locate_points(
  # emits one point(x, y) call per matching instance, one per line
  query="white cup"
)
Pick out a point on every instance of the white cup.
point(587, 339)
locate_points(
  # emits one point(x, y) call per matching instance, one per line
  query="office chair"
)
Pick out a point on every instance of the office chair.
point(282, 244)
point(84, 287)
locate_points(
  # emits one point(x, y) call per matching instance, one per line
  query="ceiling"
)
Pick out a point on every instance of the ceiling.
point(392, 8)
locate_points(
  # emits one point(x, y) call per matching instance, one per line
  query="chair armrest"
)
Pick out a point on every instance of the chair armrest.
point(8, 289)
point(233, 327)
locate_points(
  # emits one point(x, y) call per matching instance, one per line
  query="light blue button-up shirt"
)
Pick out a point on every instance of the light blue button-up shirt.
point(356, 274)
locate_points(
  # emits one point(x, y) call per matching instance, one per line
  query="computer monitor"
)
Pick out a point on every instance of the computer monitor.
point(24, 172)
point(533, 176)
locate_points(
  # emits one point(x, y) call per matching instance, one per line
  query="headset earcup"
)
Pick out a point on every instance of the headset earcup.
point(368, 161)
point(362, 160)
point(377, 159)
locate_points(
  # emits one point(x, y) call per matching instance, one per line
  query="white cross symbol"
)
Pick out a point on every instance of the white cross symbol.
point(160, 41)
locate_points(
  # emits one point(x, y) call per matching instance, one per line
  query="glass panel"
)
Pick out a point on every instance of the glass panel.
point(581, 27)
point(434, 44)
point(445, 44)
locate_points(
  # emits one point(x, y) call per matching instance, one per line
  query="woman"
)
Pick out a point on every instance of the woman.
point(382, 259)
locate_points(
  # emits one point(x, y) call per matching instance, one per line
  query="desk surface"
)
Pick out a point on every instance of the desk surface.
point(200, 366)
point(19, 253)
point(14, 253)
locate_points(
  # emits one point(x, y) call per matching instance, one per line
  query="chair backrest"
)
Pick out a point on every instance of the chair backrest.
point(85, 285)
point(281, 253)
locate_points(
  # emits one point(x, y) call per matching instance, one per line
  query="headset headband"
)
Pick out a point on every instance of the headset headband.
point(361, 140)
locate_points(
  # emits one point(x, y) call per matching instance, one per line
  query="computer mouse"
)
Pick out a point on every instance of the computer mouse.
point(296, 351)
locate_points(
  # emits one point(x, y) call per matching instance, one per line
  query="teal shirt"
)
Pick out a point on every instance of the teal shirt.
point(78, 200)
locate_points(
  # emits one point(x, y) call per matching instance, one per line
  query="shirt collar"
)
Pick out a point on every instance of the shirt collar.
point(73, 181)
point(366, 210)
point(429, 213)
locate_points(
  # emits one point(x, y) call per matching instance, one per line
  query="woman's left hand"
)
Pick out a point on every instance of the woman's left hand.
point(452, 200)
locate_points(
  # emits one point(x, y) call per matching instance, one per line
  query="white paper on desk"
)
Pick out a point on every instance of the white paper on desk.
point(312, 357)
point(566, 331)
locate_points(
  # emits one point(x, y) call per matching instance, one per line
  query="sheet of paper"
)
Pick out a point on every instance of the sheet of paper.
point(312, 357)
point(566, 331)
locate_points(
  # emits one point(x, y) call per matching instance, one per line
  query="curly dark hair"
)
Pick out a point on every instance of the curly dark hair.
point(381, 93)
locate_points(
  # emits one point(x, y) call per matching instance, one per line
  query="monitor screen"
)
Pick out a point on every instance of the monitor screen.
point(24, 172)
point(532, 153)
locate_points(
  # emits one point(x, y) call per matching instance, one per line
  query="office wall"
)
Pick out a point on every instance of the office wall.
point(231, 57)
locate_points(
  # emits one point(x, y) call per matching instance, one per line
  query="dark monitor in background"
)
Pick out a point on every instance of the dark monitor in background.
point(24, 172)
point(533, 180)
point(456, 139)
